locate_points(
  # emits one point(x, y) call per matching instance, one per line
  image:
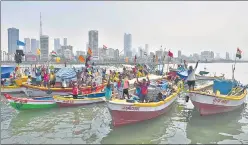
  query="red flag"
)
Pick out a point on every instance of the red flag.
point(170, 54)
point(135, 58)
point(105, 47)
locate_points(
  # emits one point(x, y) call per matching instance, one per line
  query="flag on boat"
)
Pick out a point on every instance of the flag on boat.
point(81, 59)
point(89, 52)
point(54, 54)
point(170, 54)
point(20, 43)
point(105, 47)
point(238, 53)
point(135, 58)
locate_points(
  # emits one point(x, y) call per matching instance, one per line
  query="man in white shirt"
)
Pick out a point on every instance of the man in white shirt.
point(191, 76)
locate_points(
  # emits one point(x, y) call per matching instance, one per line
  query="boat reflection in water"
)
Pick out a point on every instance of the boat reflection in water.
point(213, 128)
point(80, 125)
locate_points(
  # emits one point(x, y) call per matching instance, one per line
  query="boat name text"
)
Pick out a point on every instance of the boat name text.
point(220, 101)
point(130, 108)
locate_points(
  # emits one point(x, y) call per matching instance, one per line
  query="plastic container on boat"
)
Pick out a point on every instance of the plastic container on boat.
point(224, 86)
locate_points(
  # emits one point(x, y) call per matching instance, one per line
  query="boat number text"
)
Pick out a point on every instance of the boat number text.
point(68, 101)
point(220, 101)
point(130, 108)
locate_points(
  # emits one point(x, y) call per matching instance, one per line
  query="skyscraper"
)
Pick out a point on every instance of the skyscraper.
point(93, 43)
point(56, 44)
point(13, 36)
point(44, 47)
point(147, 48)
point(127, 44)
point(33, 46)
point(27, 45)
point(65, 41)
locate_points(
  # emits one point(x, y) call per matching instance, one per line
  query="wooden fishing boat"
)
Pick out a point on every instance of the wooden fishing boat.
point(207, 77)
point(30, 103)
point(218, 97)
point(124, 112)
point(12, 89)
point(32, 90)
point(68, 101)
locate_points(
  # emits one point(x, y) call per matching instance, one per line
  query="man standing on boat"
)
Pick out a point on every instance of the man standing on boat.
point(191, 76)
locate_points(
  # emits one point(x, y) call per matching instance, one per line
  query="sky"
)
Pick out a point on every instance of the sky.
point(189, 26)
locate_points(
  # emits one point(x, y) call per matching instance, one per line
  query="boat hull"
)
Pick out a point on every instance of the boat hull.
point(198, 77)
point(209, 105)
point(35, 91)
point(28, 103)
point(89, 99)
point(129, 114)
point(12, 89)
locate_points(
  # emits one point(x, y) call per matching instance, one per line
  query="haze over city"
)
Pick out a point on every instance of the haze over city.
point(187, 26)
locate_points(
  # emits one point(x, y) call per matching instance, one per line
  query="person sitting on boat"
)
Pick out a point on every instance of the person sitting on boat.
point(52, 79)
point(159, 97)
point(144, 89)
point(3, 81)
point(125, 88)
point(75, 91)
point(108, 90)
point(191, 76)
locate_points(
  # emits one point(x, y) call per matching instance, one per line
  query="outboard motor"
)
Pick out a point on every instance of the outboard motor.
point(187, 99)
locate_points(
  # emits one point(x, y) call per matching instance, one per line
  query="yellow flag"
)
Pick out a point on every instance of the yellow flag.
point(57, 59)
point(38, 51)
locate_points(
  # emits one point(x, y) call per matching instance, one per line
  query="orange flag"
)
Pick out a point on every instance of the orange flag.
point(89, 51)
point(81, 59)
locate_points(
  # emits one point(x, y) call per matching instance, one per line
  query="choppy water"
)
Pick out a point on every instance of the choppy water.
point(92, 124)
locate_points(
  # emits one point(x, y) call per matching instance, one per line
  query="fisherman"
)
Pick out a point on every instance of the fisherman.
point(108, 90)
point(191, 76)
point(144, 89)
point(46, 79)
point(38, 78)
point(137, 89)
point(120, 87)
point(75, 91)
point(125, 88)
point(52, 79)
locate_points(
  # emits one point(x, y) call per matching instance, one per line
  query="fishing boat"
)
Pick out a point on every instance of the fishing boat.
point(125, 112)
point(32, 90)
point(12, 89)
point(208, 77)
point(30, 103)
point(68, 101)
point(218, 97)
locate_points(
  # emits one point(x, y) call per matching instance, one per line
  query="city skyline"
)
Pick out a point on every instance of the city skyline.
point(191, 27)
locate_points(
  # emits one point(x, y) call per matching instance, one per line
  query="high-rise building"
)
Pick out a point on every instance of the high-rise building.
point(93, 43)
point(56, 44)
point(37, 44)
point(44, 47)
point(147, 48)
point(127, 44)
point(13, 36)
point(227, 56)
point(65, 41)
point(27, 47)
point(33, 46)
point(179, 54)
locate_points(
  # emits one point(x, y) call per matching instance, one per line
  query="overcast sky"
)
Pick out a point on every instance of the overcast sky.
point(188, 26)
